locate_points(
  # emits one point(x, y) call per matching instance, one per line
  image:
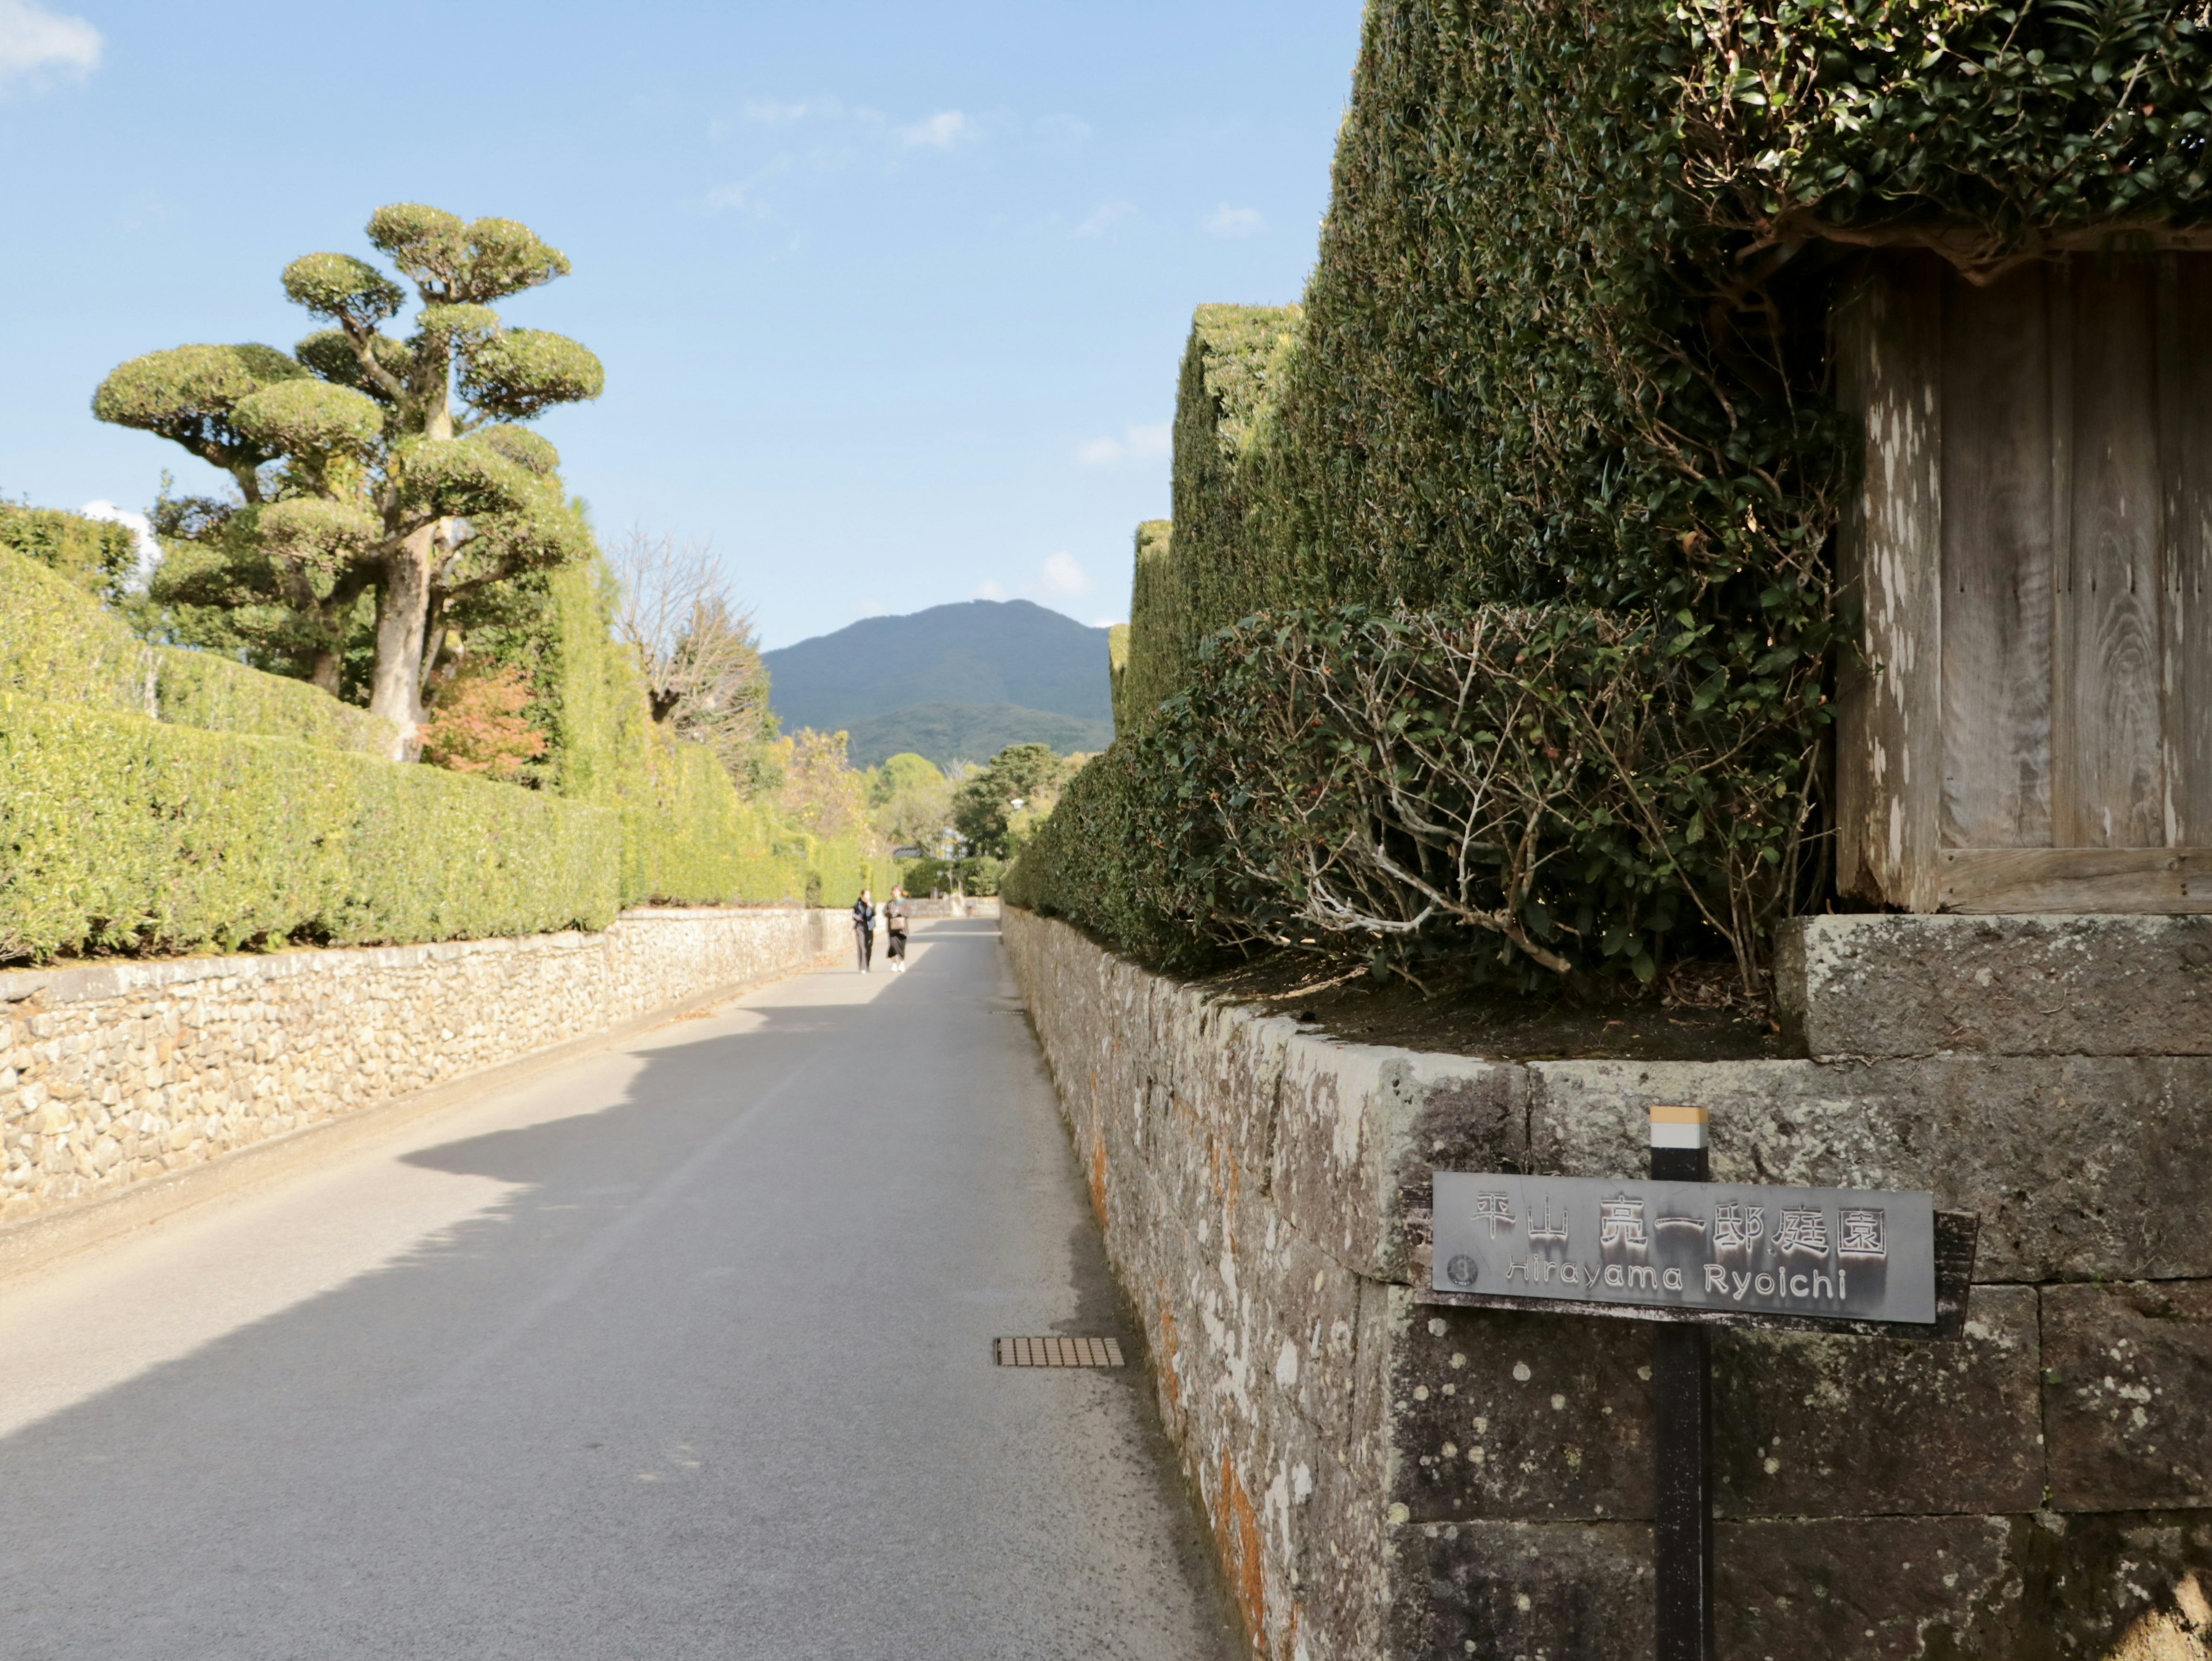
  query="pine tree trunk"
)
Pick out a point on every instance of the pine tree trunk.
point(327, 671)
point(403, 610)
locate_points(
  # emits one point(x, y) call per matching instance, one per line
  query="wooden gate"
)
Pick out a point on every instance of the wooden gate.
point(2033, 729)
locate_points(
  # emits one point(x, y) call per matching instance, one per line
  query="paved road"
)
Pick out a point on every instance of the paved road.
point(680, 1350)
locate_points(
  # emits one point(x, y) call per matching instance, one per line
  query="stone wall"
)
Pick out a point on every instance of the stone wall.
point(1390, 1478)
point(117, 1073)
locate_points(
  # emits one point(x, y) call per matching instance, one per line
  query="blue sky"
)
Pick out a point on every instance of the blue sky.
point(890, 297)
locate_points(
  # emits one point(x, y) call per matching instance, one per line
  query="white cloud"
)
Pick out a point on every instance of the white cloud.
point(772, 113)
point(875, 608)
point(1062, 576)
point(33, 38)
point(1136, 443)
point(1104, 217)
point(150, 550)
point(1226, 221)
point(744, 196)
point(940, 131)
point(1059, 581)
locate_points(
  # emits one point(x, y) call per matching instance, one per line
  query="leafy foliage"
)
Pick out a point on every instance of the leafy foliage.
point(910, 802)
point(97, 555)
point(479, 725)
point(155, 799)
point(997, 807)
point(820, 793)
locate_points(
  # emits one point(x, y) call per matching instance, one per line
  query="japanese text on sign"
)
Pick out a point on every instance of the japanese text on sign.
point(1859, 1255)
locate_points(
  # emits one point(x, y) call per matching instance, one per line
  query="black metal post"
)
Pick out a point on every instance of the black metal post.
point(1682, 1408)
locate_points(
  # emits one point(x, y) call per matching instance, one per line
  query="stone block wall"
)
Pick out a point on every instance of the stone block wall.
point(118, 1072)
point(1386, 1477)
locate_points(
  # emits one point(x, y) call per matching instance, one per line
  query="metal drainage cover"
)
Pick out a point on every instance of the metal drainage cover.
point(1056, 1352)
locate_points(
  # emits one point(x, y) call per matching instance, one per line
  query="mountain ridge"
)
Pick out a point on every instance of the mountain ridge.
point(957, 675)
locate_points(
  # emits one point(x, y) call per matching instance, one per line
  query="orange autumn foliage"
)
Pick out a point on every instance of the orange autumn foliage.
point(478, 726)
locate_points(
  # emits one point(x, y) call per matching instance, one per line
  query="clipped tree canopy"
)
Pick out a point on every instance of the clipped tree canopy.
point(535, 535)
point(521, 446)
point(188, 394)
point(331, 355)
point(525, 372)
point(456, 263)
point(381, 484)
point(462, 477)
point(337, 285)
point(305, 416)
point(457, 327)
point(311, 534)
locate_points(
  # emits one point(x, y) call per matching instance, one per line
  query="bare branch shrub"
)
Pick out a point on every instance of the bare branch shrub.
point(697, 648)
point(1561, 781)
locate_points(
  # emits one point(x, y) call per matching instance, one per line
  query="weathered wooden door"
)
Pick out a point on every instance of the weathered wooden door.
point(2032, 730)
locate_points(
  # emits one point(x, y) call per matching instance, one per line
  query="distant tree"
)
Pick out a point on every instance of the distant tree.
point(910, 802)
point(370, 465)
point(996, 805)
point(696, 648)
point(820, 791)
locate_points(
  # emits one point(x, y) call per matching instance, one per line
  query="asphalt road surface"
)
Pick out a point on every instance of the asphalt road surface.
point(681, 1349)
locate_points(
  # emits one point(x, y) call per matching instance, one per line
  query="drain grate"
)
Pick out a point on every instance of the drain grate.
point(1056, 1352)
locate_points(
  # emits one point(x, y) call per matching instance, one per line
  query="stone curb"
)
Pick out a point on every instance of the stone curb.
point(38, 1241)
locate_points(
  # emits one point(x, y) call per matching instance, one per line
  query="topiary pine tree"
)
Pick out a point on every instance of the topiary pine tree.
point(369, 464)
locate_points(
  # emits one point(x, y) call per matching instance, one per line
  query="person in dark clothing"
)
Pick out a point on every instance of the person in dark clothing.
point(894, 920)
point(864, 928)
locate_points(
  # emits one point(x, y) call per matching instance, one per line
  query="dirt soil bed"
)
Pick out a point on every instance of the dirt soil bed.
point(1678, 1023)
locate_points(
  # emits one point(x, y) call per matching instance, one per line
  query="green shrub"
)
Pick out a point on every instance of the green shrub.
point(122, 833)
point(94, 555)
point(199, 689)
point(57, 643)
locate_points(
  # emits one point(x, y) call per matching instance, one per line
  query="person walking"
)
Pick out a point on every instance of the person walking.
point(864, 928)
point(895, 920)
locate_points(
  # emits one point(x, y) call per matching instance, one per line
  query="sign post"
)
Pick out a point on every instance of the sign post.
point(1682, 1405)
point(1691, 1254)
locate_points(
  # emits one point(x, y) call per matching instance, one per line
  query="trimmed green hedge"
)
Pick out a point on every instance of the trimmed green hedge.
point(1564, 347)
point(239, 815)
point(57, 643)
point(123, 833)
point(1209, 566)
point(95, 555)
point(199, 689)
point(688, 839)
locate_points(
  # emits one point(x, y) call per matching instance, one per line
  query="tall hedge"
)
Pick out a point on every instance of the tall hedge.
point(55, 642)
point(157, 799)
point(1564, 344)
point(688, 837)
point(123, 833)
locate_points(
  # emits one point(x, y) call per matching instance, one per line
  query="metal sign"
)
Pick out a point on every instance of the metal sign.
point(1691, 1254)
point(1731, 1248)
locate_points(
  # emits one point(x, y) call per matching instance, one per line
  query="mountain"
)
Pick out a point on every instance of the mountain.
point(947, 732)
point(947, 681)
